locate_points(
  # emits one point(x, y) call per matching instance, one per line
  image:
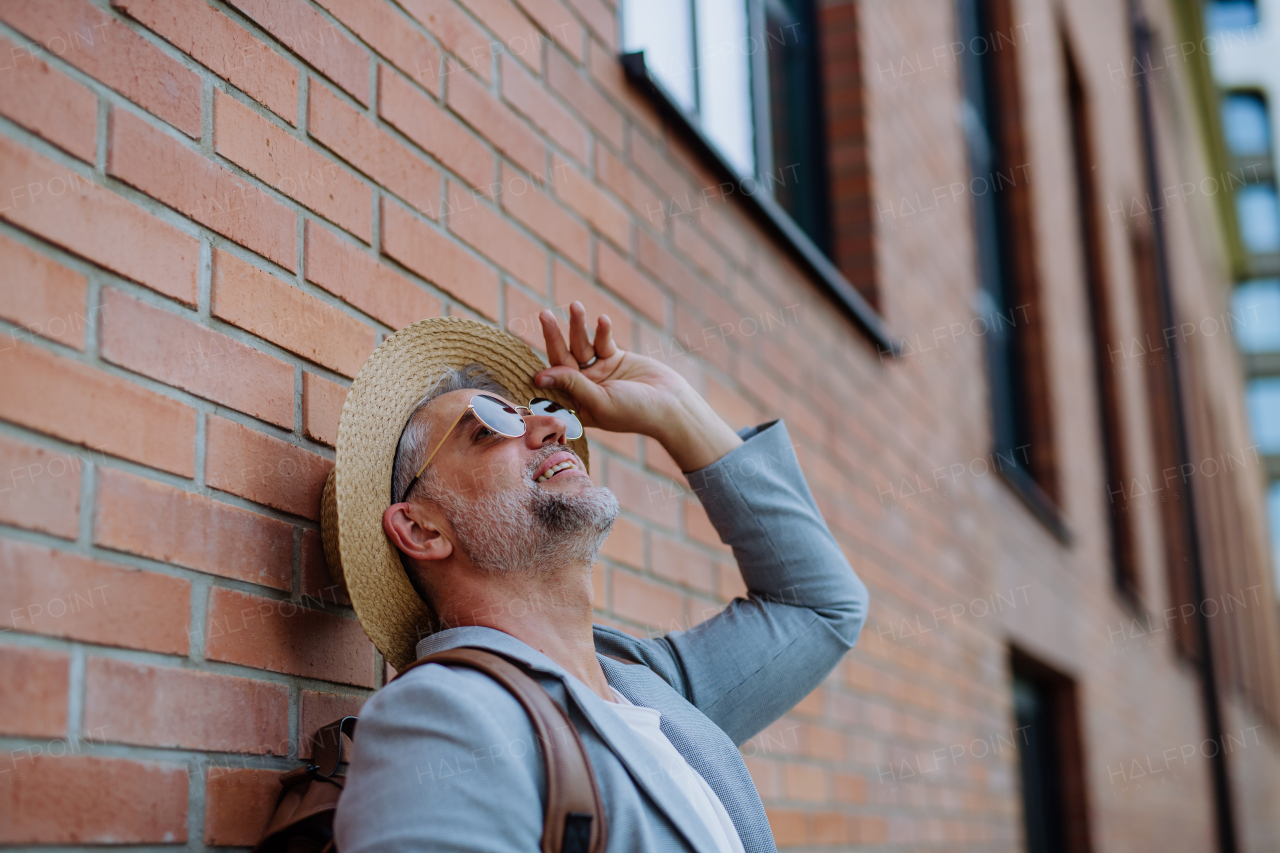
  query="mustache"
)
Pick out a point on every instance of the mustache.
point(545, 453)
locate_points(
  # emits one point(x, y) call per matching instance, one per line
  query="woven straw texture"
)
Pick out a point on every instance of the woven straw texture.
point(358, 490)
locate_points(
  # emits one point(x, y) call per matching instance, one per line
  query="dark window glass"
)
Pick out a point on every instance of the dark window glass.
point(1245, 124)
point(795, 127)
point(1002, 210)
point(1038, 766)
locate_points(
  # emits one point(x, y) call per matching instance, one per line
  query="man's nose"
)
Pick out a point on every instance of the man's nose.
point(542, 430)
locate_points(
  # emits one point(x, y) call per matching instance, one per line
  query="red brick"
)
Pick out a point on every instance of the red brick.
point(263, 469)
point(260, 303)
point(622, 443)
point(518, 35)
point(227, 49)
point(316, 710)
point(657, 459)
point(321, 408)
point(375, 152)
point(386, 29)
point(664, 266)
point(522, 317)
point(317, 582)
point(79, 404)
point(619, 275)
point(42, 488)
point(600, 18)
point(674, 184)
point(438, 259)
point(607, 71)
point(455, 31)
point(180, 708)
point(238, 804)
point(182, 353)
point(570, 287)
point(49, 103)
point(652, 498)
point(677, 562)
point(163, 523)
point(310, 35)
point(529, 97)
point(65, 595)
point(698, 527)
point(557, 21)
point(281, 637)
point(488, 233)
point(495, 122)
point(96, 224)
point(789, 827)
point(625, 544)
point(34, 700)
point(108, 51)
point(704, 256)
point(117, 801)
point(627, 185)
point(525, 200)
point(581, 194)
point(291, 166)
point(578, 91)
point(433, 129)
point(165, 169)
point(52, 299)
point(356, 277)
point(804, 782)
point(646, 602)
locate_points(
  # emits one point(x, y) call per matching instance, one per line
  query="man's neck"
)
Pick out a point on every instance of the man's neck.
point(550, 611)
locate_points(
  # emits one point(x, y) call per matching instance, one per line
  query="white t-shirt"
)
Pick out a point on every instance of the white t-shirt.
point(645, 723)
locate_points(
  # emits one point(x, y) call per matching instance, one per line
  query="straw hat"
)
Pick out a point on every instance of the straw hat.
point(393, 380)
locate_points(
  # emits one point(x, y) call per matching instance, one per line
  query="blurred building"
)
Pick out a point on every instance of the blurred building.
point(1247, 69)
point(979, 254)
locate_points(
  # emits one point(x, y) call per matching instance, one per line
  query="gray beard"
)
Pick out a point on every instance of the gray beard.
point(531, 530)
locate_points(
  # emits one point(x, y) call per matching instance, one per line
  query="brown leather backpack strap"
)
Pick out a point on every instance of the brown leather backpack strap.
point(574, 820)
point(326, 745)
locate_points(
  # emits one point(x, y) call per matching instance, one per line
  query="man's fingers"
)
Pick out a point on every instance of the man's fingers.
point(579, 343)
point(605, 347)
point(557, 350)
point(586, 394)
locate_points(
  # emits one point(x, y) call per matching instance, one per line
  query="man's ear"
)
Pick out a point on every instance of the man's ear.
point(415, 534)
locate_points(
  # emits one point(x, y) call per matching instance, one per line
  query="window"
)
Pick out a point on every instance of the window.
point(1258, 211)
point(1016, 357)
point(746, 75)
point(1256, 309)
point(1222, 15)
point(1244, 123)
point(1098, 298)
point(772, 91)
point(1262, 399)
point(1050, 758)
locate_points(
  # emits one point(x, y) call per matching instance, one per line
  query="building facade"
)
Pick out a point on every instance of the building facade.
point(1249, 76)
point(975, 253)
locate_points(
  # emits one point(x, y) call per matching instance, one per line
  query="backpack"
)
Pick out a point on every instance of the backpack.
point(574, 820)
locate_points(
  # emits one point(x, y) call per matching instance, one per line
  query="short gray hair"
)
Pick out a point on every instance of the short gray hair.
point(415, 441)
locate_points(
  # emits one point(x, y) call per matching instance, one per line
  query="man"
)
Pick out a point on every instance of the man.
point(492, 529)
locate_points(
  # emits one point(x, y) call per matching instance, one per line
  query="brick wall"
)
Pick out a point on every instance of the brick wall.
point(211, 212)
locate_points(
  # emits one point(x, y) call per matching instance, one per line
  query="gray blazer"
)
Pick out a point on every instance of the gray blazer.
point(447, 760)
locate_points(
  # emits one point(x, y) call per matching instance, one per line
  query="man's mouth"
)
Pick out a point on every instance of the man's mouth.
point(554, 464)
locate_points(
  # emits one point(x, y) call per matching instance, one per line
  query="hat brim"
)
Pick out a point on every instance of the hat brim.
point(396, 376)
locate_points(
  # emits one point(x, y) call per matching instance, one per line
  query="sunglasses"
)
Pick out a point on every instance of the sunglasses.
point(505, 420)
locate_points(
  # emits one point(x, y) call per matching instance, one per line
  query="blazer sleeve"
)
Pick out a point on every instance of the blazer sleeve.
point(757, 658)
point(433, 753)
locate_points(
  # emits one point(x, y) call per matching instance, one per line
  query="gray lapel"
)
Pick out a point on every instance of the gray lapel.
point(644, 769)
